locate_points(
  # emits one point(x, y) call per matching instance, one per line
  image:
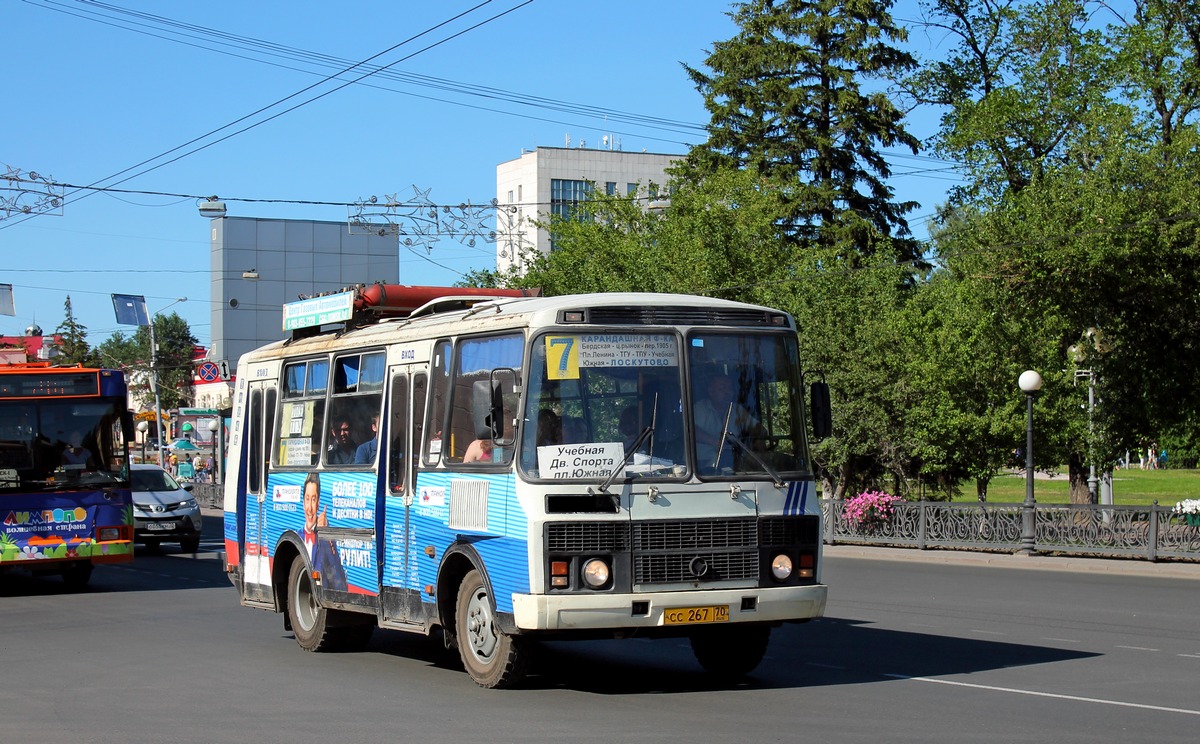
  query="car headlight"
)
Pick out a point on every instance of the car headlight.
point(189, 504)
point(781, 566)
point(596, 573)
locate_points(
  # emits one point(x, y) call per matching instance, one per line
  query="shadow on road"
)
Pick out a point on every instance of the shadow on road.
point(825, 652)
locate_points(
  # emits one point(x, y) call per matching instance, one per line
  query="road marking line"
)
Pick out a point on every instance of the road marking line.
point(1137, 648)
point(1047, 694)
point(1063, 640)
point(1190, 656)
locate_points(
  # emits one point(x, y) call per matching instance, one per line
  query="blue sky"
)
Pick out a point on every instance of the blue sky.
point(95, 88)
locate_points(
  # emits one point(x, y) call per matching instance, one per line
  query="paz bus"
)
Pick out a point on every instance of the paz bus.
point(497, 469)
point(65, 501)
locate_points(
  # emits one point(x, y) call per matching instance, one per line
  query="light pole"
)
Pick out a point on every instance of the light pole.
point(214, 426)
point(1030, 383)
point(154, 381)
point(143, 427)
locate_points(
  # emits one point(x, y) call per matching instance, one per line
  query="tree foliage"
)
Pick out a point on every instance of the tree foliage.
point(788, 101)
point(73, 348)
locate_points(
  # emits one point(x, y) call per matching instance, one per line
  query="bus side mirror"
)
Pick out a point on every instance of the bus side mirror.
point(486, 412)
point(822, 417)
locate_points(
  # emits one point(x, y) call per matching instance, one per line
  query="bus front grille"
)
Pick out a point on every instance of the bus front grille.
point(684, 551)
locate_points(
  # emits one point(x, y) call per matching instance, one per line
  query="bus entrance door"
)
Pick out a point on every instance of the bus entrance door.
point(256, 561)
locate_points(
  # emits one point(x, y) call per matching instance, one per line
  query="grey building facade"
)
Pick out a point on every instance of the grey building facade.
point(260, 264)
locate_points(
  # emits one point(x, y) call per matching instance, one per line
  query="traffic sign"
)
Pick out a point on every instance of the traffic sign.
point(208, 372)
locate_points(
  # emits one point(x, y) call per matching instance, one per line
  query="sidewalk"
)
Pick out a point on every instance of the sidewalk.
point(1115, 566)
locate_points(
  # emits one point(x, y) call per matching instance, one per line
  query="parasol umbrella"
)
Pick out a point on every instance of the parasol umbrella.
point(183, 445)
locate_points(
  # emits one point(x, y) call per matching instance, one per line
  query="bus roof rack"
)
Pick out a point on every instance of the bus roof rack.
point(364, 304)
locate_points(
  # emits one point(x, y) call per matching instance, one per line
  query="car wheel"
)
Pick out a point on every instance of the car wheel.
point(189, 544)
point(491, 657)
point(731, 652)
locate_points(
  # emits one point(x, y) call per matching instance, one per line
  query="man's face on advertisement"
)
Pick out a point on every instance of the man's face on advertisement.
point(312, 501)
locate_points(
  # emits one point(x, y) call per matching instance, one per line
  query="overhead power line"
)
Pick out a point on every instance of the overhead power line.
point(283, 100)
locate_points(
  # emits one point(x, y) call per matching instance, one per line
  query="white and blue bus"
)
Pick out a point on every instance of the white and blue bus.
point(500, 468)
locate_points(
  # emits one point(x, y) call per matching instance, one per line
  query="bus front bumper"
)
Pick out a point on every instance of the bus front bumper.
point(650, 610)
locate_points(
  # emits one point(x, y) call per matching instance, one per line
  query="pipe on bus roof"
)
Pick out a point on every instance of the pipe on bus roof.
point(404, 298)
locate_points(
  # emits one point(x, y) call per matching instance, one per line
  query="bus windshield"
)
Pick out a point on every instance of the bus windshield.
point(597, 400)
point(51, 444)
point(746, 400)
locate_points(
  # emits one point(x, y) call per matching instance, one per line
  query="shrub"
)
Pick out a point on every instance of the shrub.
point(870, 509)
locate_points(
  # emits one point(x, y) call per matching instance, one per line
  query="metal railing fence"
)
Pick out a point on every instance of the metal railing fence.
point(1147, 532)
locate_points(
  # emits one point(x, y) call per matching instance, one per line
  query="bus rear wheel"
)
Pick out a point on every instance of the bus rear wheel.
point(491, 657)
point(317, 628)
point(731, 652)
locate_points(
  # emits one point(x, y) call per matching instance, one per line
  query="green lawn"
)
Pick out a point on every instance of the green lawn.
point(1133, 487)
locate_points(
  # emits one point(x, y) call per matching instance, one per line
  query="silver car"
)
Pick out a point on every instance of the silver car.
point(164, 510)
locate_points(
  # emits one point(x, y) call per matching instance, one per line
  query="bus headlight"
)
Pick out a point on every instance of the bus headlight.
point(596, 573)
point(781, 566)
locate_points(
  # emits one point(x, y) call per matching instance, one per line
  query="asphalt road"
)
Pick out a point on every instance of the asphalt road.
point(910, 650)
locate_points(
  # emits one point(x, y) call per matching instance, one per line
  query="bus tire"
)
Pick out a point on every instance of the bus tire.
point(492, 658)
point(77, 575)
point(731, 652)
point(317, 628)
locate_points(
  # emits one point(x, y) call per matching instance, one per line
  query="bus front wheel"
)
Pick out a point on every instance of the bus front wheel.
point(491, 657)
point(733, 651)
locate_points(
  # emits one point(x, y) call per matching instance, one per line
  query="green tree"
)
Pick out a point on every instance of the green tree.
point(74, 348)
point(174, 360)
point(1023, 88)
point(788, 101)
point(716, 237)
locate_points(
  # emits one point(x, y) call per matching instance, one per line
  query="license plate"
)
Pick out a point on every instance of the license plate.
point(693, 615)
point(160, 526)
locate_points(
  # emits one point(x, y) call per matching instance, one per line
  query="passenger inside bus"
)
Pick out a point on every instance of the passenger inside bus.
point(365, 453)
point(342, 446)
point(479, 451)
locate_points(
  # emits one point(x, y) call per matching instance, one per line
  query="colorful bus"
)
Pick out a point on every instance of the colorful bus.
point(502, 469)
point(65, 502)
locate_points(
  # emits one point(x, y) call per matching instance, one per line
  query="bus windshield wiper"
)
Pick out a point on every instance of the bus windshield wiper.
point(620, 468)
point(633, 448)
point(730, 436)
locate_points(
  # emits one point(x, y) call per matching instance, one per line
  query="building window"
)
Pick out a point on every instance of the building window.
point(610, 188)
point(631, 189)
point(565, 198)
point(510, 196)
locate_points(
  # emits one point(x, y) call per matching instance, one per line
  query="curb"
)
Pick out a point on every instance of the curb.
point(1112, 566)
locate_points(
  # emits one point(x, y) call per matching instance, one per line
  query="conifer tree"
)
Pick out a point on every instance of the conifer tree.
point(789, 101)
point(73, 348)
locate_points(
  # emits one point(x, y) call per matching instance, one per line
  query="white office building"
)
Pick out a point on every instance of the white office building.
point(551, 180)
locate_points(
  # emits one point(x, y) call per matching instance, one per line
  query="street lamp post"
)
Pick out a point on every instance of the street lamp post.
point(143, 427)
point(1030, 383)
point(154, 381)
point(214, 426)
